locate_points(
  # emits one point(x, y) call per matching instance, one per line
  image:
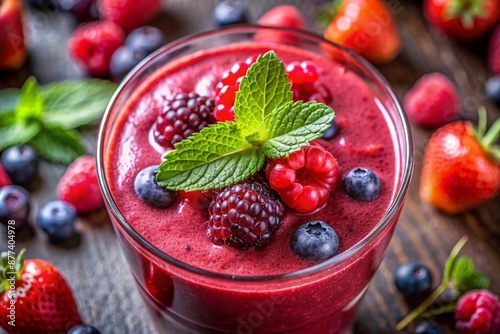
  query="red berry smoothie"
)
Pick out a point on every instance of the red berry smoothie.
point(312, 302)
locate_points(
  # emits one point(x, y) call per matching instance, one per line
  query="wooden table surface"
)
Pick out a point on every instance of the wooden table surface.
point(97, 271)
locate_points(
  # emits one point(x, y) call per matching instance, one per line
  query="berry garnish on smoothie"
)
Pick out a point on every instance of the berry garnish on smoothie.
point(263, 125)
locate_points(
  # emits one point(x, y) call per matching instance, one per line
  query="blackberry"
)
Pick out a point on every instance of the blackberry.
point(181, 116)
point(244, 215)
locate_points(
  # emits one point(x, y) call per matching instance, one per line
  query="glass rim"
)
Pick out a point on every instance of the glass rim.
point(317, 268)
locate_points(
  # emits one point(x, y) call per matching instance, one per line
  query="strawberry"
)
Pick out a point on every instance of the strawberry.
point(129, 14)
point(461, 166)
point(367, 27)
point(12, 46)
point(462, 19)
point(287, 16)
point(34, 297)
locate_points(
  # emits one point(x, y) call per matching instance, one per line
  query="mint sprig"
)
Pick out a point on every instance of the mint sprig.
point(459, 277)
point(267, 123)
point(46, 116)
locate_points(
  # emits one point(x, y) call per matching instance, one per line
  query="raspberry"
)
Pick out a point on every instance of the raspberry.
point(302, 72)
point(244, 215)
point(494, 52)
point(478, 312)
point(93, 45)
point(433, 101)
point(226, 90)
point(305, 179)
point(129, 14)
point(78, 186)
point(181, 116)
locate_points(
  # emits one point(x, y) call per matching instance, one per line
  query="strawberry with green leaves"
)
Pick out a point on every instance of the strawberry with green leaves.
point(461, 166)
point(463, 19)
point(34, 297)
point(365, 26)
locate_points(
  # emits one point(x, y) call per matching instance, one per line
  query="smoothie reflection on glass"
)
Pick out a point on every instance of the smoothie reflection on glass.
point(194, 285)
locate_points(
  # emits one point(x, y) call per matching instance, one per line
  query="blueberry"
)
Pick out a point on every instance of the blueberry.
point(362, 184)
point(413, 280)
point(44, 5)
point(57, 219)
point(145, 39)
point(493, 89)
point(315, 240)
point(331, 131)
point(21, 164)
point(428, 327)
point(14, 206)
point(124, 59)
point(83, 329)
point(229, 12)
point(82, 9)
point(147, 190)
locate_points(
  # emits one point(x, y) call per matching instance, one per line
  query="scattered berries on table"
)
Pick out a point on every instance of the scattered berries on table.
point(413, 280)
point(124, 59)
point(79, 187)
point(57, 219)
point(93, 45)
point(478, 312)
point(83, 329)
point(4, 177)
point(331, 131)
point(362, 184)
point(149, 191)
point(14, 205)
point(44, 301)
point(494, 52)
point(433, 101)
point(21, 164)
point(315, 240)
point(244, 215)
point(145, 39)
point(370, 30)
point(229, 12)
point(460, 168)
point(493, 89)
point(463, 21)
point(181, 116)
point(428, 327)
point(129, 14)
point(305, 179)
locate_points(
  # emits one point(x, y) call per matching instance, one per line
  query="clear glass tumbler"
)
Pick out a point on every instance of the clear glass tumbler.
point(323, 298)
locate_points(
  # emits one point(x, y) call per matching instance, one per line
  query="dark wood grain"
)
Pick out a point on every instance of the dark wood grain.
point(96, 269)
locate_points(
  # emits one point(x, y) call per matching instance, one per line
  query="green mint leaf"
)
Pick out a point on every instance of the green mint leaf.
point(17, 133)
point(264, 88)
point(30, 102)
point(70, 104)
point(215, 157)
point(9, 99)
point(58, 145)
point(294, 125)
